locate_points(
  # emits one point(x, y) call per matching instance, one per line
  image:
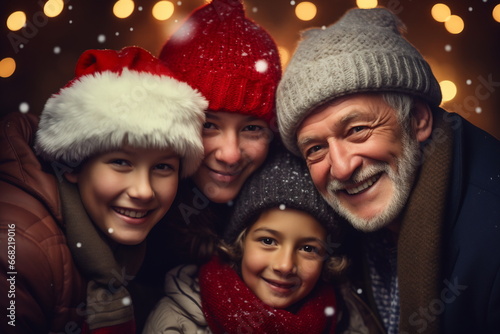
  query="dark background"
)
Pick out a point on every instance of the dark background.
point(474, 55)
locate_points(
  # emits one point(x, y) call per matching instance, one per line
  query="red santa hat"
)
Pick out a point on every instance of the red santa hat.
point(119, 97)
point(231, 60)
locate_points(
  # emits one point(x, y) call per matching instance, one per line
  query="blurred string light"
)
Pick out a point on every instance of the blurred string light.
point(366, 4)
point(496, 13)
point(16, 21)
point(306, 11)
point(454, 24)
point(123, 8)
point(52, 8)
point(448, 89)
point(163, 10)
point(440, 12)
point(7, 67)
point(284, 56)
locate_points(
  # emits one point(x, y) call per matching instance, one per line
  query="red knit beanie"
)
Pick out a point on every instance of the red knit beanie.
point(232, 61)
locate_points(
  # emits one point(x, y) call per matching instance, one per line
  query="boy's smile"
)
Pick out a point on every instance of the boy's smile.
point(127, 191)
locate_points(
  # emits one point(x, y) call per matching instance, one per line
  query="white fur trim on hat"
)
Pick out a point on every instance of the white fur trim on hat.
point(99, 112)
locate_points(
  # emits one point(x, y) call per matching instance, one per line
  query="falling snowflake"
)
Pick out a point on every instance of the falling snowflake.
point(126, 301)
point(131, 29)
point(468, 82)
point(110, 230)
point(292, 3)
point(282, 206)
point(479, 110)
point(57, 50)
point(261, 66)
point(255, 9)
point(447, 47)
point(117, 33)
point(179, 3)
point(70, 21)
point(329, 311)
point(101, 38)
point(139, 8)
point(470, 9)
point(79, 244)
point(24, 107)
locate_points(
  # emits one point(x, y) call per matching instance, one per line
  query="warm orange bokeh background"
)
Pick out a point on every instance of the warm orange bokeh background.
point(469, 59)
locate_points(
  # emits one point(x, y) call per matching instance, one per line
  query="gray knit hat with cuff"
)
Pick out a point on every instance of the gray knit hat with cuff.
point(282, 182)
point(362, 52)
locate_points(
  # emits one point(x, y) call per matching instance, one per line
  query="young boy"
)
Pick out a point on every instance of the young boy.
point(281, 242)
point(113, 143)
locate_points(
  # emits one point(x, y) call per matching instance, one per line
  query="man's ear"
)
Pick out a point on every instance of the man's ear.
point(71, 177)
point(422, 121)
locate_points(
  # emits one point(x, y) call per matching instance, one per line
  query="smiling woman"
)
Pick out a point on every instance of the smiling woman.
point(235, 64)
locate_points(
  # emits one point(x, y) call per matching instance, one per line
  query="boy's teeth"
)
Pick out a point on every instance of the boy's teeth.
point(362, 186)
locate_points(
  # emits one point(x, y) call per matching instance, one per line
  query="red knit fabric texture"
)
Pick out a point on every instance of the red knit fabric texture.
point(232, 61)
point(231, 307)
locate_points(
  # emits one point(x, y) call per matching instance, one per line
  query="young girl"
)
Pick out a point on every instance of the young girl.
point(113, 144)
point(280, 247)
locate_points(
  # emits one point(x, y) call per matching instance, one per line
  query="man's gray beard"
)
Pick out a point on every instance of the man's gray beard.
point(402, 180)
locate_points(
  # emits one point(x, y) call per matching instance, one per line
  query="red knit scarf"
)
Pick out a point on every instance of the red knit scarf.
point(231, 307)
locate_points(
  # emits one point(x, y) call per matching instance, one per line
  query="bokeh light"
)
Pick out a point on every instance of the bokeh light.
point(24, 107)
point(7, 67)
point(284, 56)
point(496, 13)
point(454, 25)
point(16, 21)
point(440, 12)
point(52, 8)
point(163, 10)
point(448, 89)
point(123, 8)
point(306, 11)
point(366, 4)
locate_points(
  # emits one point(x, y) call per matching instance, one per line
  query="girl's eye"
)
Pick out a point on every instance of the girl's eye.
point(267, 241)
point(309, 249)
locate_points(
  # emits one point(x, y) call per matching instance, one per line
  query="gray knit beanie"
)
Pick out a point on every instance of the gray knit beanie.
point(282, 182)
point(362, 52)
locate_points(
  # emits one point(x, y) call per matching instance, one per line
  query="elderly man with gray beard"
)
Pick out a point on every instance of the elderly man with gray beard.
point(421, 186)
